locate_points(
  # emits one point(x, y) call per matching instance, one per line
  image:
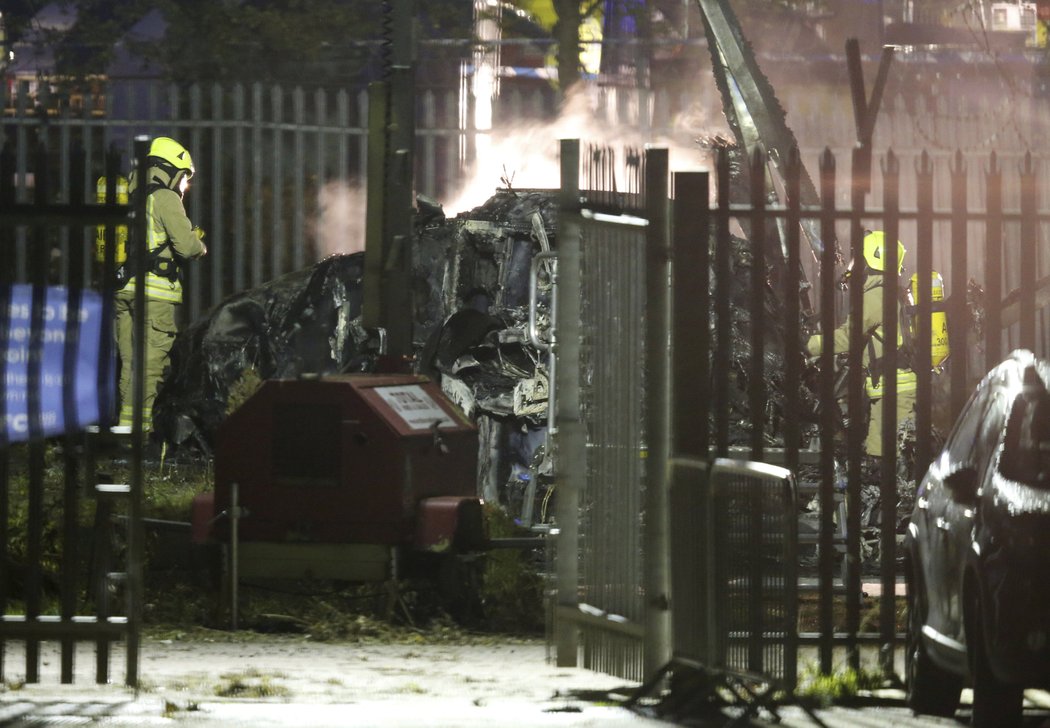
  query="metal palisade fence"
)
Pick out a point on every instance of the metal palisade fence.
point(281, 171)
point(661, 373)
point(58, 373)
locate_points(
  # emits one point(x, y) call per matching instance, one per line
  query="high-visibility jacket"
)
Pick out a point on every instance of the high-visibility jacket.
point(873, 341)
point(168, 230)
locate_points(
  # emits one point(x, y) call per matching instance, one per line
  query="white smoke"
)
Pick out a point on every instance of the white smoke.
point(526, 155)
point(340, 219)
point(519, 156)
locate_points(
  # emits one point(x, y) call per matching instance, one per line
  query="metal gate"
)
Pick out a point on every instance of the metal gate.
point(734, 542)
point(59, 582)
point(721, 372)
point(607, 313)
point(751, 372)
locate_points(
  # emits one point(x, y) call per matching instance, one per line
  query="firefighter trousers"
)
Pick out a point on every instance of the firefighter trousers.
point(160, 334)
point(905, 411)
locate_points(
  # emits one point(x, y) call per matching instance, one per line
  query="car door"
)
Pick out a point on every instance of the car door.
point(939, 530)
point(960, 506)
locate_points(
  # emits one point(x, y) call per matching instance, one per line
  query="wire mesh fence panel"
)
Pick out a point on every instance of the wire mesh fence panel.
point(754, 592)
point(613, 406)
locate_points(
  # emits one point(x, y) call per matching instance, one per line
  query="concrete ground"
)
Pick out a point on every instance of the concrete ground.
point(277, 681)
point(273, 682)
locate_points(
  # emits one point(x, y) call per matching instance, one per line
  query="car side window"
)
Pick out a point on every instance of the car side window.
point(1026, 447)
point(963, 442)
point(990, 431)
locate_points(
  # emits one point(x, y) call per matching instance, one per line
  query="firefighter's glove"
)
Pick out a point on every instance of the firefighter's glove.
point(815, 346)
point(200, 236)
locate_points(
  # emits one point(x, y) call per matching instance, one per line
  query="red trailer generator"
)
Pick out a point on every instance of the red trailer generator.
point(355, 477)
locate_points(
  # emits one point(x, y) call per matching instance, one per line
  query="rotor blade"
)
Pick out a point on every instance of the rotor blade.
point(751, 107)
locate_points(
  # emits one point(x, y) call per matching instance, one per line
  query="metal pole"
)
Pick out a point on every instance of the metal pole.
point(756, 387)
point(656, 546)
point(993, 265)
point(957, 336)
point(827, 409)
point(888, 488)
point(723, 345)
point(136, 536)
point(924, 269)
point(1029, 266)
point(691, 386)
point(571, 440)
point(235, 522)
point(856, 401)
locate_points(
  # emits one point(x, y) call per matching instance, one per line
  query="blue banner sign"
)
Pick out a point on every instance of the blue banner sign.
point(19, 348)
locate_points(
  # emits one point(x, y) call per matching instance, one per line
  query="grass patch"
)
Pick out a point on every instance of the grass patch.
point(512, 588)
point(171, 710)
point(413, 689)
point(870, 613)
point(839, 687)
point(250, 684)
point(241, 390)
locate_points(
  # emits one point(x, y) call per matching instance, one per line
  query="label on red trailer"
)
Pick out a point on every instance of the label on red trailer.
point(413, 405)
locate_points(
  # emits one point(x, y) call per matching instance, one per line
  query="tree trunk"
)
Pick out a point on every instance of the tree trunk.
point(567, 34)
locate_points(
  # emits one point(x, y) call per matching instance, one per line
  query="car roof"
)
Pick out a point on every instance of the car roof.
point(1010, 374)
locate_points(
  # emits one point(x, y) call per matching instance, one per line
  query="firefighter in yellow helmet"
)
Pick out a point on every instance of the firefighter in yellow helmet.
point(171, 240)
point(874, 257)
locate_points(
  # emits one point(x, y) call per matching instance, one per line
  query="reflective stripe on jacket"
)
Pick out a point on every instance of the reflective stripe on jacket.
point(169, 229)
point(873, 344)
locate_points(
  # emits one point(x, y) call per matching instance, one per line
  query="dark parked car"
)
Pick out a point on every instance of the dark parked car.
point(978, 553)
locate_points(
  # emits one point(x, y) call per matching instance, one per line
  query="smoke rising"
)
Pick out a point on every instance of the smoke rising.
point(526, 155)
point(520, 156)
point(340, 219)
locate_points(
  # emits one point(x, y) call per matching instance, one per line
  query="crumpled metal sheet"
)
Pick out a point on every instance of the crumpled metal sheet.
point(305, 321)
point(480, 351)
point(489, 356)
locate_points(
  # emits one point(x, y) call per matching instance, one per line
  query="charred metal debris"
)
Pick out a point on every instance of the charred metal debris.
point(470, 289)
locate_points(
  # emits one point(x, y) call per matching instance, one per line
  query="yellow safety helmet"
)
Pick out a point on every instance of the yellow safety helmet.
point(169, 151)
point(875, 251)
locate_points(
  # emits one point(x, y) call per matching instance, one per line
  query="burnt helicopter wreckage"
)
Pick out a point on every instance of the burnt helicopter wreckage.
point(470, 283)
